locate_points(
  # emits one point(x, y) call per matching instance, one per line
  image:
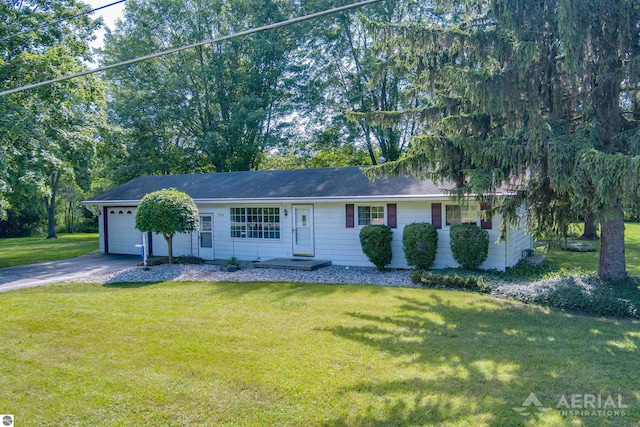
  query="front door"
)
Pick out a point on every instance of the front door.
point(303, 230)
point(205, 237)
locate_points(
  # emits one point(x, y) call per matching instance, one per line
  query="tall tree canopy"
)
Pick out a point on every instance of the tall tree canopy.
point(49, 132)
point(351, 79)
point(542, 97)
point(210, 108)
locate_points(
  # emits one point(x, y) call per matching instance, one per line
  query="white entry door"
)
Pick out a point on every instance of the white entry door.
point(303, 230)
point(206, 237)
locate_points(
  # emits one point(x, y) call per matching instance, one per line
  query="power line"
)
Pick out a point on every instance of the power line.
point(189, 46)
point(77, 15)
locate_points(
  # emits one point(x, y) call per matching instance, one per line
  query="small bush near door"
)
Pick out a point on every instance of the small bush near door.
point(469, 245)
point(420, 241)
point(376, 244)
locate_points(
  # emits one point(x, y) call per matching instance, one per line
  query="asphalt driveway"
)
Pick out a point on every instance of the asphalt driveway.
point(65, 270)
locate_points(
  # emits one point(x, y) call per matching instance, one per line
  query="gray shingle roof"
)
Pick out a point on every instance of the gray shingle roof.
point(324, 183)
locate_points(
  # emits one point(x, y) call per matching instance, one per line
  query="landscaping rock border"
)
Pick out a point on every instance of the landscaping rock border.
point(332, 274)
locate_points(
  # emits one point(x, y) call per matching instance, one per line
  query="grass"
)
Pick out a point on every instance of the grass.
point(29, 250)
point(588, 262)
point(204, 354)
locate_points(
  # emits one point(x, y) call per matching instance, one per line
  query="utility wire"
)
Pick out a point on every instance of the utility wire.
point(77, 15)
point(189, 46)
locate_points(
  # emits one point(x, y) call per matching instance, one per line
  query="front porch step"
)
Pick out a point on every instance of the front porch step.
point(293, 264)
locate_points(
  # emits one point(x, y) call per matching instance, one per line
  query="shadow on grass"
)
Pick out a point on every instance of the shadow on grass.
point(475, 364)
point(284, 290)
point(118, 282)
point(129, 285)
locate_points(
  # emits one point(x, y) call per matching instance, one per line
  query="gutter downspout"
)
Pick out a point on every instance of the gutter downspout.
point(506, 247)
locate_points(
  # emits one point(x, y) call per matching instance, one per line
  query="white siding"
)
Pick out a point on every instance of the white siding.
point(333, 240)
point(182, 244)
point(518, 241)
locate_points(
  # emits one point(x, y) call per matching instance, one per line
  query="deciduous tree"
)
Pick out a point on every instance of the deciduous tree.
point(49, 132)
point(210, 108)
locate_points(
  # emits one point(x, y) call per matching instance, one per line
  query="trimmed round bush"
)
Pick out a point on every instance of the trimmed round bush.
point(419, 242)
point(469, 245)
point(376, 244)
point(167, 211)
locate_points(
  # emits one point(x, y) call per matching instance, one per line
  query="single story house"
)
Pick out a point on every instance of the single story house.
point(310, 213)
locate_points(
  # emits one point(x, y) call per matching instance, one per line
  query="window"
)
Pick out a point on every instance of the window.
point(456, 214)
point(255, 223)
point(368, 215)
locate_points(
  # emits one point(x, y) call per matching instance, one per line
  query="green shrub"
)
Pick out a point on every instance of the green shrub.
point(183, 259)
point(588, 294)
point(376, 244)
point(577, 247)
point(472, 283)
point(526, 269)
point(420, 241)
point(469, 245)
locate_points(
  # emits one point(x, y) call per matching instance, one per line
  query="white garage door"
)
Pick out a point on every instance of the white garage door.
point(123, 236)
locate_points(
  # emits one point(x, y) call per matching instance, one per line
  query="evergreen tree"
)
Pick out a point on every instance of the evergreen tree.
point(538, 97)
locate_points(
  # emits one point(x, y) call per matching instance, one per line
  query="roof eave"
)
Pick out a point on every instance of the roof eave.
point(381, 198)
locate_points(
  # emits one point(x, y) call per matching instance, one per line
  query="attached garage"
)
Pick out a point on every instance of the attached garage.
point(122, 236)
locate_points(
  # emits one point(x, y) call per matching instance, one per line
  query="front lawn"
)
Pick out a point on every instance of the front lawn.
point(29, 250)
point(298, 354)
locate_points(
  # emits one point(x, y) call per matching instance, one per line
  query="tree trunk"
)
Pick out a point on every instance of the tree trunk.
point(169, 239)
point(590, 231)
point(51, 219)
point(50, 204)
point(612, 264)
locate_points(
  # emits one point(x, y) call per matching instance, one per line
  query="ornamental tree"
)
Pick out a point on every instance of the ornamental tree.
point(167, 211)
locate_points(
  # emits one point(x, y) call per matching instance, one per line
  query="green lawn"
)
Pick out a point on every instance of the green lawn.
point(589, 261)
point(303, 355)
point(29, 250)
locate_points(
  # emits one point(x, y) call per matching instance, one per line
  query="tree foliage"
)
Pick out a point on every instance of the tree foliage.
point(539, 98)
point(353, 82)
point(209, 108)
point(167, 212)
point(50, 132)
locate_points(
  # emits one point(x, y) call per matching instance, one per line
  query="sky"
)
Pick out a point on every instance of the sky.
point(109, 15)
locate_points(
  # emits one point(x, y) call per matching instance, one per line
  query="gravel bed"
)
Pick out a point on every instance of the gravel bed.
point(212, 273)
